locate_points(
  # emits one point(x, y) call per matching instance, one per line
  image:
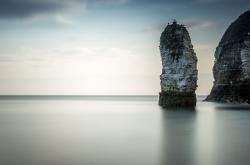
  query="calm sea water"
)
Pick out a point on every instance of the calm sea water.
point(121, 131)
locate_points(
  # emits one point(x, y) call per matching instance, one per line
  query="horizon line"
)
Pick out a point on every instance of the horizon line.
point(63, 95)
point(84, 97)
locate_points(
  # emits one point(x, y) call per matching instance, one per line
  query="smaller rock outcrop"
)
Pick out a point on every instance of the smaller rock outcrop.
point(179, 67)
point(232, 64)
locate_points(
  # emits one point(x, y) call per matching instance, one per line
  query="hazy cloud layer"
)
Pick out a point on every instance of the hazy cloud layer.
point(28, 8)
point(198, 24)
point(195, 24)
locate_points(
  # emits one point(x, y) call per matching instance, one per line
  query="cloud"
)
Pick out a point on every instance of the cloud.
point(198, 24)
point(23, 9)
point(28, 8)
point(61, 20)
point(153, 29)
point(59, 13)
point(189, 24)
point(217, 1)
point(17, 9)
point(67, 52)
point(117, 2)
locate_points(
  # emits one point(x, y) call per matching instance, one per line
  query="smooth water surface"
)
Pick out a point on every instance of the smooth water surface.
point(121, 131)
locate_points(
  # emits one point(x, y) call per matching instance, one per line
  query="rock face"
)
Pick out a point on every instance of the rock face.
point(232, 64)
point(179, 67)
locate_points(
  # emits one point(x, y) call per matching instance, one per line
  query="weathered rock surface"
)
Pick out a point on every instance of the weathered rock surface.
point(179, 67)
point(232, 64)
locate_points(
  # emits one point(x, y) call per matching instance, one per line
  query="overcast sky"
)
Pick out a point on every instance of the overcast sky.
point(102, 46)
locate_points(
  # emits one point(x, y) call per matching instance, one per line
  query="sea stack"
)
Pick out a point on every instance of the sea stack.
point(232, 64)
point(179, 68)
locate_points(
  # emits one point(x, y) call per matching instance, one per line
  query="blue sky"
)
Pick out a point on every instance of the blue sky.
point(102, 46)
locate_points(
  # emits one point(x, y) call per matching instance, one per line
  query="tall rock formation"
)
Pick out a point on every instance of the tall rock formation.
point(179, 67)
point(232, 64)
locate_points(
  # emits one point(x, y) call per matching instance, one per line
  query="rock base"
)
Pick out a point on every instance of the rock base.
point(239, 93)
point(177, 99)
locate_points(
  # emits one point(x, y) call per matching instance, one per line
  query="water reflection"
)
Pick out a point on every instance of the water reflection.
point(213, 134)
point(178, 137)
point(204, 141)
point(232, 132)
point(107, 132)
point(232, 107)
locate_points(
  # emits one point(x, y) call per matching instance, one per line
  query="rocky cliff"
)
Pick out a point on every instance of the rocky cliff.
point(179, 67)
point(232, 64)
